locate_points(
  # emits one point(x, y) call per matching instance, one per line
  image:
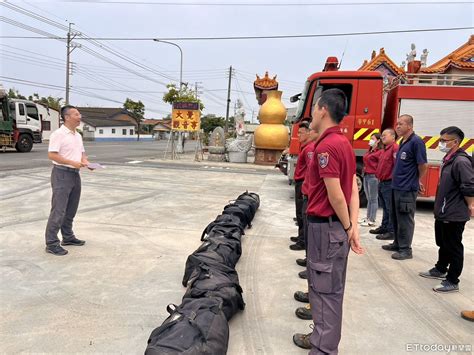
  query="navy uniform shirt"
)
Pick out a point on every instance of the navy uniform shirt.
point(411, 153)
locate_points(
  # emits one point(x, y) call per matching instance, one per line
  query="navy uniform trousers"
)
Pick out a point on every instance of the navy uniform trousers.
point(66, 184)
point(328, 250)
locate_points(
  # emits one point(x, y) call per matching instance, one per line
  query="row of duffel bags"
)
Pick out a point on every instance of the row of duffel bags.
point(213, 295)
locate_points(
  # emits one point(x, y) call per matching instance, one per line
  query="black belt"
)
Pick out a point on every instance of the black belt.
point(67, 168)
point(389, 180)
point(299, 180)
point(316, 219)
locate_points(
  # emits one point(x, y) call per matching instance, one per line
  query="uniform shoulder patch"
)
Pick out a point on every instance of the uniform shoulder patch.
point(323, 159)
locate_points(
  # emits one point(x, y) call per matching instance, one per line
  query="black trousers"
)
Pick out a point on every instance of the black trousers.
point(448, 237)
point(403, 218)
point(299, 210)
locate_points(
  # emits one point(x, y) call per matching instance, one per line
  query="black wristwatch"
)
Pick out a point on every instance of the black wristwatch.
point(348, 228)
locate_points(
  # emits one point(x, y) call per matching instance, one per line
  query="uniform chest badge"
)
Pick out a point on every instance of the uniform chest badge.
point(403, 156)
point(310, 155)
point(323, 159)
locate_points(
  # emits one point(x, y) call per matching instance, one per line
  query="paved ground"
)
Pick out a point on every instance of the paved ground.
point(141, 221)
point(106, 152)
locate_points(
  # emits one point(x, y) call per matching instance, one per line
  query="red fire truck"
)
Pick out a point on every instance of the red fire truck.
point(435, 101)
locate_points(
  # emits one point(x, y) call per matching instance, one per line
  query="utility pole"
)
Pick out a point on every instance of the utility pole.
point(68, 52)
point(69, 48)
point(228, 102)
point(197, 88)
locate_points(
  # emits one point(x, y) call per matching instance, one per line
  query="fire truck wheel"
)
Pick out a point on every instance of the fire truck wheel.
point(24, 144)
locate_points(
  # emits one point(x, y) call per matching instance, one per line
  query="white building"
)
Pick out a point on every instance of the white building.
point(49, 120)
point(97, 129)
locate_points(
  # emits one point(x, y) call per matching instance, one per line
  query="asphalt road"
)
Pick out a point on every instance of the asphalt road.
point(101, 152)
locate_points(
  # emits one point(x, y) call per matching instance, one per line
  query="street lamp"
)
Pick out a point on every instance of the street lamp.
point(180, 137)
point(181, 64)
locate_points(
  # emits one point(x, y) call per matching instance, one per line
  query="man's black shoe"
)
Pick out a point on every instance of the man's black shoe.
point(302, 340)
point(378, 230)
point(304, 312)
point(385, 236)
point(297, 246)
point(294, 239)
point(402, 255)
point(303, 274)
point(301, 296)
point(301, 262)
point(295, 219)
point(73, 241)
point(390, 247)
point(56, 250)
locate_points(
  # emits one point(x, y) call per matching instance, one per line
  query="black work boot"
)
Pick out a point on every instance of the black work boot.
point(303, 274)
point(302, 340)
point(390, 247)
point(297, 246)
point(301, 262)
point(301, 296)
point(385, 236)
point(304, 312)
point(378, 230)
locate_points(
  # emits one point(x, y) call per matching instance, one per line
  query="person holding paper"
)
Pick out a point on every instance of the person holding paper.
point(67, 153)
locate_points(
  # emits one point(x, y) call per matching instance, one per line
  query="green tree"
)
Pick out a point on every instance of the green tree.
point(211, 121)
point(50, 101)
point(14, 94)
point(181, 95)
point(137, 110)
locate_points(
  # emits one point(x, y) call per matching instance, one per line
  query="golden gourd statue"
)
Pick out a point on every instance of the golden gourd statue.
point(271, 136)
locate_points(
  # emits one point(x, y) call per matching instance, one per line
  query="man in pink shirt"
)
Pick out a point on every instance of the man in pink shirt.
point(66, 151)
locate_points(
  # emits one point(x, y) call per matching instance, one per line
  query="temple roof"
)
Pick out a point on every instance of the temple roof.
point(381, 58)
point(266, 82)
point(460, 58)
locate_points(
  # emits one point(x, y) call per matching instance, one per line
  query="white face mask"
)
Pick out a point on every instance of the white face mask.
point(372, 143)
point(442, 147)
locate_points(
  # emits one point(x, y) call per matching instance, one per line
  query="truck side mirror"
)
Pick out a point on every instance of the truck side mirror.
point(295, 98)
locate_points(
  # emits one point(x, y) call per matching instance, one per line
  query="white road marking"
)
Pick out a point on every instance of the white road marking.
point(135, 162)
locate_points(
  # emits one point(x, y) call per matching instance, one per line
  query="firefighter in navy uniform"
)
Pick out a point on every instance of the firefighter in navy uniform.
point(332, 213)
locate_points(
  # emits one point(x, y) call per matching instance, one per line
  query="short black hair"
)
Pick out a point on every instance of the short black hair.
point(391, 130)
point(409, 119)
point(453, 131)
point(65, 110)
point(335, 102)
point(304, 124)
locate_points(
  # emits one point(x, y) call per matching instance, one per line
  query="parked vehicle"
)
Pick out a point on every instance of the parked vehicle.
point(20, 123)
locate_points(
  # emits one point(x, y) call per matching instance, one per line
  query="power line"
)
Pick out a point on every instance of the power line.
point(264, 4)
point(63, 27)
point(253, 37)
point(75, 90)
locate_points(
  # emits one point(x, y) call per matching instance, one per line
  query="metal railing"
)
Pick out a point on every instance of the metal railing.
point(437, 79)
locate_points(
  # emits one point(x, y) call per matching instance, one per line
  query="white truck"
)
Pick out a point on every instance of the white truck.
point(20, 123)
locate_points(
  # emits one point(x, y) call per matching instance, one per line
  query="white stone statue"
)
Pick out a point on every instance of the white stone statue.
point(240, 118)
point(424, 57)
point(403, 65)
point(238, 148)
point(411, 56)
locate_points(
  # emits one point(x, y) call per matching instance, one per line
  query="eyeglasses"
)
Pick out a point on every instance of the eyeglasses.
point(442, 140)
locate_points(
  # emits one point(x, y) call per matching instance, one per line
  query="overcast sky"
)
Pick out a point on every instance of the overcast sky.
point(207, 62)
